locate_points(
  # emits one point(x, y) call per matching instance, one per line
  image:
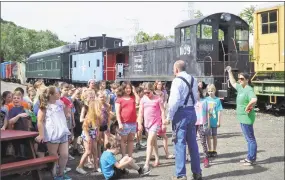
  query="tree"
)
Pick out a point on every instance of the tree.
point(198, 14)
point(18, 43)
point(247, 15)
point(143, 37)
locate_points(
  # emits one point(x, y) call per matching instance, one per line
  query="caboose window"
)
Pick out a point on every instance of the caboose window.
point(116, 43)
point(269, 22)
point(98, 63)
point(206, 31)
point(92, 43)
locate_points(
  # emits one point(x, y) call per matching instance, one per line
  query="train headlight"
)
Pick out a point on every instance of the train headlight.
point(226, 17)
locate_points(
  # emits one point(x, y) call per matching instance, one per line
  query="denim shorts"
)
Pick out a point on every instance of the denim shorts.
point(62, 140)
point(153, 128)
point(128, 128)
point(211, 131)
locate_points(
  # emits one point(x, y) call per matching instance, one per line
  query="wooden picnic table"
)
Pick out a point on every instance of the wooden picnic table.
point(32, 163)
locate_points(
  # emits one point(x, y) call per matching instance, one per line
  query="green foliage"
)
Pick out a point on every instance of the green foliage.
point(18, 43)
point(247, 15)
point(143, 37)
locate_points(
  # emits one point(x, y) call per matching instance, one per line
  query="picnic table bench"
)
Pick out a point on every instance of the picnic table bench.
point(33, 163)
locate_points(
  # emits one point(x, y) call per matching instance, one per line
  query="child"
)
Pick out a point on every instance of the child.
point(152, 110)
point(214, 114)
point(112, 169)
point(159, 91)
point(102, 87)
point(201, 108)
point(87, 97)
point(6, 99)
point(126, 116)
point(139, 145)
point(104, 118)
point(90, 136)
point(53, 128)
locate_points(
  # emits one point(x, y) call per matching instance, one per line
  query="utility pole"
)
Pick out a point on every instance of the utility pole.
point(135, 29)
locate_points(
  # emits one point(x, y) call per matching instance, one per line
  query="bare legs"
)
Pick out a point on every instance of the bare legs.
point(53, 149)
point(151, 144)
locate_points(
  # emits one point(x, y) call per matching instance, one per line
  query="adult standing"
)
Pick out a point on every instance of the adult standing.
point(245, 101)
point(183, 96)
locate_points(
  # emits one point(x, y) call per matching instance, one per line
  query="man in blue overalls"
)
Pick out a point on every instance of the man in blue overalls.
point(183, 95)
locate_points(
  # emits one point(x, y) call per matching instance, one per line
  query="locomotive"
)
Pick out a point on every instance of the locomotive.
point(268, 80)
point(207, 44)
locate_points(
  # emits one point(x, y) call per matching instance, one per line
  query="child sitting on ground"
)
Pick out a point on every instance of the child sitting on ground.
point(113, 169)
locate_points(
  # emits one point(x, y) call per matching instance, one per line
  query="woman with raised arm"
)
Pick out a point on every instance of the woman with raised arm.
point(246, 99)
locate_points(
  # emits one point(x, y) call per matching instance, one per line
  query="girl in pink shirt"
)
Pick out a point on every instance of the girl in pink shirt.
point(202, 123)
point(159, 91)
point(152, 110)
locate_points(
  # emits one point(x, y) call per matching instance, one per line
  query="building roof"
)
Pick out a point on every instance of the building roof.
point(54, 51)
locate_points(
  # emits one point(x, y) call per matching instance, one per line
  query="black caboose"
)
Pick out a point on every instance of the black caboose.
point(207, 45)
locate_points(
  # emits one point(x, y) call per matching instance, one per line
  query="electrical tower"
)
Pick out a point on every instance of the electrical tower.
point(190, 11)
point(135, 29)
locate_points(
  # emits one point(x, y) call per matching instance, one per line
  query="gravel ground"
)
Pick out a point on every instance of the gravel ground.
point(269, 132)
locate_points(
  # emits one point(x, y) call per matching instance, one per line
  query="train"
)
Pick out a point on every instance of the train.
point(207, 44)
point(268, 80)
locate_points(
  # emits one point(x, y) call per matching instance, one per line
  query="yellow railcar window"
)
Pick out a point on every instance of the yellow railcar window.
point(269, 22)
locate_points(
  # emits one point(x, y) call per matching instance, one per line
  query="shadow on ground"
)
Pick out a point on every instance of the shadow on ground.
point(236, 173)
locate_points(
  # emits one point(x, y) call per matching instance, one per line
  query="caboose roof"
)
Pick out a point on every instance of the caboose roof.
point(190, 22)
point(54, 51)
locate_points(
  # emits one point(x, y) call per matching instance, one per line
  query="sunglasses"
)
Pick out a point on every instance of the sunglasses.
point(242, 79)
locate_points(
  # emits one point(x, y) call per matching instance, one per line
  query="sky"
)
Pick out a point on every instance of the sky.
point(72, 21)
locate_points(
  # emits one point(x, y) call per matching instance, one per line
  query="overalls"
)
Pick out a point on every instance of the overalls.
point(184, 129)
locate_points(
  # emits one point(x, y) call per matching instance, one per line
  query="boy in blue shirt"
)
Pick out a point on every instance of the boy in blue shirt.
point(113, 169)
point(214, 115)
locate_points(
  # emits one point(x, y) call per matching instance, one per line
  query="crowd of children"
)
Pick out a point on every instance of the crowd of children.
point(99, 123)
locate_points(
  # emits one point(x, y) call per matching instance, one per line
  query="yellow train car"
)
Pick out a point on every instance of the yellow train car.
point(268, 80)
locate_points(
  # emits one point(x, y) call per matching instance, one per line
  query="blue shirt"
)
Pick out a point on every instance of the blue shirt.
point(178, 93)
point(36, 107)
point(214, 106)
point(107, 162)
point(113, 98)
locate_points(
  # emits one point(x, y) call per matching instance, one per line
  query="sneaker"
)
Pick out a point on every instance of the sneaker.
point(144, 171)
point(214, 154)
point(67, 169)
point(247, 162)
point(70, 157)
point(197, 176)
point(206, 163)
point(99, 170)
point(81, 171)
point(143, 144)
point(66, 177)
point(89, 165)
point(179, 178)
point(138, 146)
point(58, 178)
point(210, 154)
